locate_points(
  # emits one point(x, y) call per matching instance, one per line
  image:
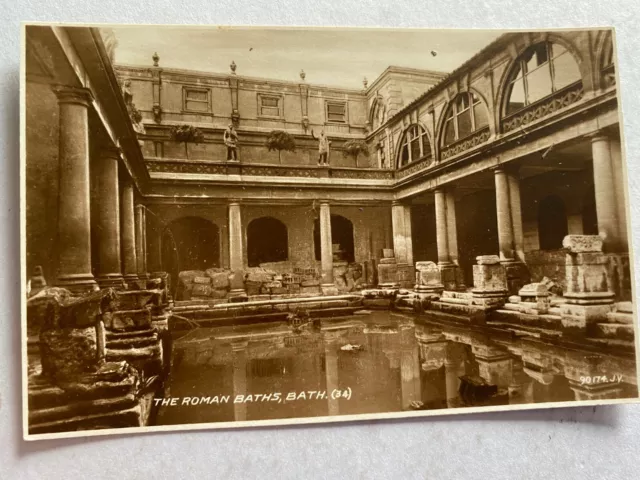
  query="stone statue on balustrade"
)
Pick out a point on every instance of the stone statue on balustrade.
point(231, 141)
point(324, 145)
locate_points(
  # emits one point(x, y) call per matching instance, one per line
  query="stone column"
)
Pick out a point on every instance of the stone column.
point(326, 252)
point(74, 222)
point(399, 232)
point(408, 234)
point(442, 232)
point(141, 254)
point(605, 190)
point(235, 237)
point(107, 221)
point(515, 205)
point(503, 207)
point(621, 192)
point(409, 373)
point(130, 264)
point(452, 231)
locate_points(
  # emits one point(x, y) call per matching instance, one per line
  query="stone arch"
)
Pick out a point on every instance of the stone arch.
point(342, 234)
point(190, 243)
point(378, 108)
point(604, 68)
point(552, 222)
point(503, 91)
point(267, 241)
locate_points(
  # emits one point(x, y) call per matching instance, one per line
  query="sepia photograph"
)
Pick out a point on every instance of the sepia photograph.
point(247, 226)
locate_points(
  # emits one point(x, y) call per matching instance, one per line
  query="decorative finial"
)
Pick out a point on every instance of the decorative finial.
point(233, 67)
point(365, 82)
point(303, 75)
point(156, 59)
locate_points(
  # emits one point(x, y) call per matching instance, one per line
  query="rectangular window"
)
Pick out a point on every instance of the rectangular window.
point(270, 106)
point(196, 100)
point(159, 149)
point(336, 112)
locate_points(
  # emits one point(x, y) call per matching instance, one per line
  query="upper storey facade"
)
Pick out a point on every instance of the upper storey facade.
point(256, 106)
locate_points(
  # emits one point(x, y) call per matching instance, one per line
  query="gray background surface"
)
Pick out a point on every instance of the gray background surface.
point(581, 443)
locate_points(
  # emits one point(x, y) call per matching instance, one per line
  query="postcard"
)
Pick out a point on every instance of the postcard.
point(231, 226)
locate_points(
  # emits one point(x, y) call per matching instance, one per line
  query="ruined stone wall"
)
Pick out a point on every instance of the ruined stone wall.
point(41, 177)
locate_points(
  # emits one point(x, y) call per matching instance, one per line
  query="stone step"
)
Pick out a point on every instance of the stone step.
point(130, 417)
point(620, 318)
point(457, 295)
point(624, 307)
point(83, 407)
point(454, 300)
point(614, 330)
point(132, 354)
point(143, 332)
point(132, 342)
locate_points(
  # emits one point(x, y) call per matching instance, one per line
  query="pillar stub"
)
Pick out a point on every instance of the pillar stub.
point(77, 95)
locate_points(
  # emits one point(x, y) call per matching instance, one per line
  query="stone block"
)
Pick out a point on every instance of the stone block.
point(278, 291)
point(388, 253)
point(449, 276)
point(199, 290)
point(201, 280)
point(310, 283)
point(488, 260)
point(236, 280)
point(428, 277)
point(127, 319)
point(219, 280)
point(537, 294)
point(489, 278)
point(219, 293)
point(329, 290)
point(387, 274)
point(68, 352)
point(582, 243)
point(587, 278)
point(387, 261)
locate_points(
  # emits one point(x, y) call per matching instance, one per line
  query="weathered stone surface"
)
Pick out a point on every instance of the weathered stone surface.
point(582, 243)
point(587, 279)
point(201, 280)
point(428, 275)
point(127, 319)
point(259, 275)
point(533, 290)
point(69, 352)
point(387, 261)
point(199, 290)
point(219, 280)
point(387, 274)
point(489, 278)
point(236, 280)
point(488, 260)
point(387, 253)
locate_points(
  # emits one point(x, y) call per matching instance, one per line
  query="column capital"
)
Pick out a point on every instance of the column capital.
point(110, 152)
point(140, 206)
point(234, 202)
point(598, 136)
point(395, 203)
point(324, 202)
point(77, 95)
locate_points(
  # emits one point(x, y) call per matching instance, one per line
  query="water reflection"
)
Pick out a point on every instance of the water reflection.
point(383, 362)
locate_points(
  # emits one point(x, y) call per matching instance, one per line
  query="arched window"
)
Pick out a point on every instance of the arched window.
point(552, 223)
point(414, 145)
point(541, 70)
point(465, 115)
point(267, 241)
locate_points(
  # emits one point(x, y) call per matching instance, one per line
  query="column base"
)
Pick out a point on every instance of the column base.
point(111, 280)
point(79, 283)
point(329, 289)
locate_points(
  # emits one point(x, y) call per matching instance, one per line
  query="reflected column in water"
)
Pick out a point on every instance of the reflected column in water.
point(454, 368)
point(521, 385)
point(239, 378)
point(331, 370)
point(432, 347)
point(409, 369)
point(494, 364)
point(593, 377)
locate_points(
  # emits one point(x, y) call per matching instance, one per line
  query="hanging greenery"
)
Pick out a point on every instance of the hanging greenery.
point(280, 140)
point(186, 134)
point(355, 148)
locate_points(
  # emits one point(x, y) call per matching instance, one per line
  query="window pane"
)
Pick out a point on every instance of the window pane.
point(197, 95)
point(539, 84)
point(269, 101)
point(516, 97)
point(404, 155)
point(426, 148)
point(517, 71)
point(536, 57)
point(270, 111)
point(480, 114)
point(462, 102)
point(557, 50)
point(336, 108)
point(449, 133)
point(197, 106)
point(415, 150)
point(464, 124)
point(565, 71)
